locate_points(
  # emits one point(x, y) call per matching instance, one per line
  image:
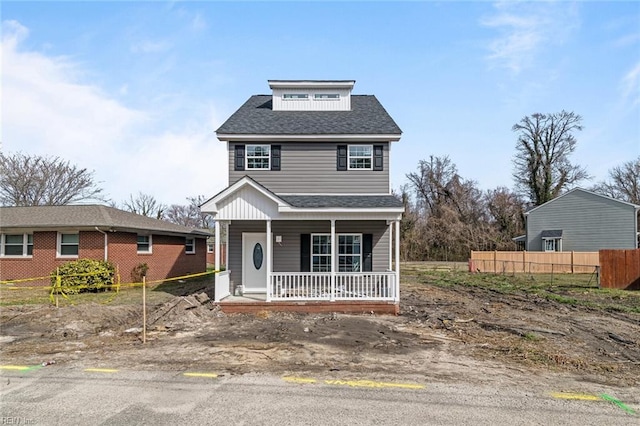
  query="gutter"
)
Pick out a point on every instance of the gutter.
point(106, 243)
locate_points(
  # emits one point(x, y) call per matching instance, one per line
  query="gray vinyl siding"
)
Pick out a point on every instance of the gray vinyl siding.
point(310, 167)
point(588, 222)
point(286, 255)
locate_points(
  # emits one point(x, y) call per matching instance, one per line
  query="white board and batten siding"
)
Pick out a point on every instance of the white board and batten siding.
point(247, 204)
point(343, 103)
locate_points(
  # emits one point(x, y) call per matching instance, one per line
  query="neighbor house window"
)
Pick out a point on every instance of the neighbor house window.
point(17, 245)
point(552, 244)
point(330, 96)
point(360, 157)
point(190, 245)
point(144, 243)
point(295, 96)
point(258, 157)
point(349, 253)
point(68, 244)
point(210, 248)
point(320, 253)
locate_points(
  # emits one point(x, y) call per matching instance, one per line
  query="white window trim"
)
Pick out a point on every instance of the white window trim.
point(322, 255)
point(352, 255)
point(59, 246)
point(211, 248)
point(336, 253)
point(193, 245)
point(304, 98)
point(246, 157)
point(317, 98)
point(150, 251)
point(24, 247)
point(349, 158)
point(557, 244)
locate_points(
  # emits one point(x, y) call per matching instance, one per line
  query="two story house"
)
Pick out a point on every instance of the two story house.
point(309, 212)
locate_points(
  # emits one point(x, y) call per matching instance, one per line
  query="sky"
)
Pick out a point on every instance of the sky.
point(134, 91)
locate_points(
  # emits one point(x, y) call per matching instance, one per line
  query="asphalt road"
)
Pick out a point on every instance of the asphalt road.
point(55, 395)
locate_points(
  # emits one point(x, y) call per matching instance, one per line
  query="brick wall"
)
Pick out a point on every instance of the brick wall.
point(168, 258)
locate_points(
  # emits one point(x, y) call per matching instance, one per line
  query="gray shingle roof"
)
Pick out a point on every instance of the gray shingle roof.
point(256, 116)
point(552, 233)
point(342, 201)
point(87, 216)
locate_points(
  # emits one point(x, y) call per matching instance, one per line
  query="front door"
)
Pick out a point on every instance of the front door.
point(254, 262)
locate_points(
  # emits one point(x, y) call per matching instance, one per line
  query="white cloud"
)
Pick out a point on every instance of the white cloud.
point(47, 109)
point(525, 29)
point(631, 84)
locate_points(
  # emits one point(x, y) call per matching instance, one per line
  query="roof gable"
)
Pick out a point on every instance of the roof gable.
point(582, 191)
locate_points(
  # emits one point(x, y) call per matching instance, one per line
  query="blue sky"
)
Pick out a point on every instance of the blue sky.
point(135, 90)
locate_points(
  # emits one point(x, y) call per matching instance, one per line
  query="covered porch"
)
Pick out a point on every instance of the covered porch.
point(285, 254)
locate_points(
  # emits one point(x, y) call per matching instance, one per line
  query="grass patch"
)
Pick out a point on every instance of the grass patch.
point(568, 289)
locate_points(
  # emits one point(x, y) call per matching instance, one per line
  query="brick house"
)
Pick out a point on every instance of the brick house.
point(36, 240)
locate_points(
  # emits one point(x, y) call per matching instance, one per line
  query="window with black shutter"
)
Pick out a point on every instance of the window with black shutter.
point(239, 158)
point(275, 157)
point(378, 157)
point(342, 157)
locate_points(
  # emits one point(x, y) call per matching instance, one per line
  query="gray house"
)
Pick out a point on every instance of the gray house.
point(309, 209)
point(581, 220)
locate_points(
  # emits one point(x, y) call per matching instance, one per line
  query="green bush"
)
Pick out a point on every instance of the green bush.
point(84, 275)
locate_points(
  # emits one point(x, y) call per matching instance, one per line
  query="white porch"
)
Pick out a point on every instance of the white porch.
point(261, 219)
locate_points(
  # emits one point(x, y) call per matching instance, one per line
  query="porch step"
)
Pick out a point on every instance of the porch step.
point(346, 307)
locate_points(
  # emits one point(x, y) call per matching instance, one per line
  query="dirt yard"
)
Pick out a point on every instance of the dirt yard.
point(453, 326)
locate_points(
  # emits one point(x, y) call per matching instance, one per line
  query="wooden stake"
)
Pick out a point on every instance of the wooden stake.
point(144, 309)
point(57, 285)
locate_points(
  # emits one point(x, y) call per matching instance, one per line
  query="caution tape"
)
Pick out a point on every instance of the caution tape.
point(60, 290)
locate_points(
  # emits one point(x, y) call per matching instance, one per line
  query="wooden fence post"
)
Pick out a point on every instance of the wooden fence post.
point(144, 309)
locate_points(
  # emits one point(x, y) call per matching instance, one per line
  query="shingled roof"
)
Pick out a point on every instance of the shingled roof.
point(343, 201)
point(88, 216)
point(366, 117)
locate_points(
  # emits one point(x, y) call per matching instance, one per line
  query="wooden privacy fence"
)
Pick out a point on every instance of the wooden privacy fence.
point(571, 262)
point(620, 269)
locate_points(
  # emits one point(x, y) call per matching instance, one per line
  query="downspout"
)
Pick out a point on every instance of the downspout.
point(106, 244)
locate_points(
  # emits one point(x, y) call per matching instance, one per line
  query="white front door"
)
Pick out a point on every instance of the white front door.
point(254, 262)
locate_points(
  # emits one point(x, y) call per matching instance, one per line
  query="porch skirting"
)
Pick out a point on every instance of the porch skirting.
point(347, 307)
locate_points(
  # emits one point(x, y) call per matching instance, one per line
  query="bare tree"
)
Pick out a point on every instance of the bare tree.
point(31, 180)
point(542, 169)
point(145, 205)
point(190, 214)
point(506, 210)
point(623, 183)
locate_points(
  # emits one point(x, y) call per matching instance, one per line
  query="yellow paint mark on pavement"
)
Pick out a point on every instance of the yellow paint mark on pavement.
point(211, 375)
point(299, 380)
point(372, 384)
point(580, 396)
point(15, 367)
point(100, 370)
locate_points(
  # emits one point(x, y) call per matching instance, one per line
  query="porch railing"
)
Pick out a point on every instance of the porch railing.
point(318, 286)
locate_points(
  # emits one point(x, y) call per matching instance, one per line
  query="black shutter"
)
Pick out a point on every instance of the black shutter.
point(378, 159)
point(239, 161)
point(367, 252)
point(342, 157)
point(275, 157)
point(305, 252)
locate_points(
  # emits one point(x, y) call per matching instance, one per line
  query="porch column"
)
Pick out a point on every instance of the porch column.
point(217, 245)
point(397, 235)
point(333, 260)
point(390, 268)
point(269, 259)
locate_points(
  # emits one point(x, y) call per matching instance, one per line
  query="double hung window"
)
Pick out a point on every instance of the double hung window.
point(17, 245)
point(258, 157)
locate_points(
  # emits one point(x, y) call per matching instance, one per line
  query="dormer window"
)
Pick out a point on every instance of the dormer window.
point(326, 96)
point(258, 157)
point(296, 96)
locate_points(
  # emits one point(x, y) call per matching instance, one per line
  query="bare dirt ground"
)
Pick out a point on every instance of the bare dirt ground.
point(453, 326)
